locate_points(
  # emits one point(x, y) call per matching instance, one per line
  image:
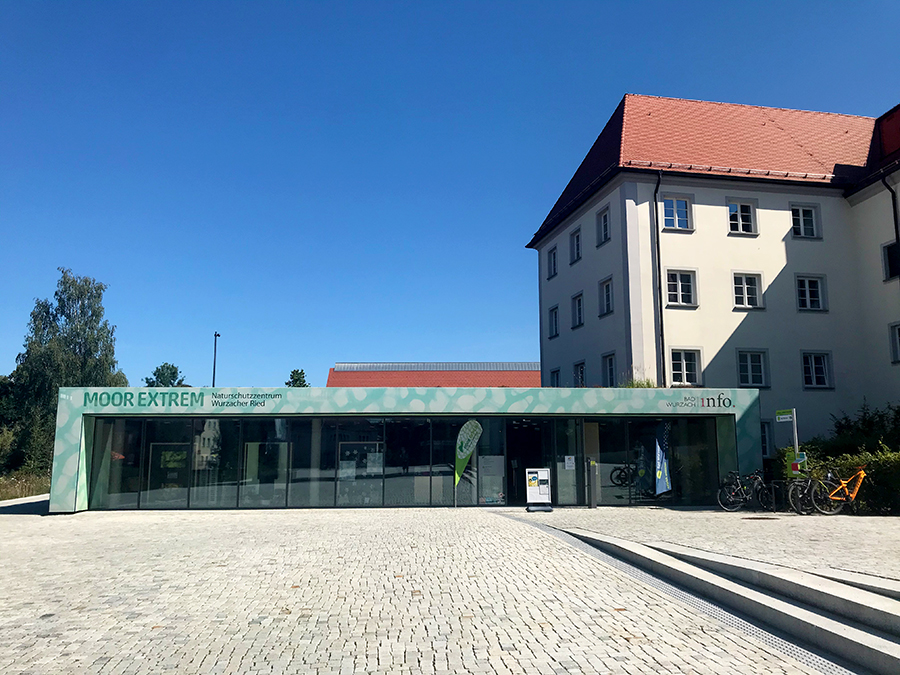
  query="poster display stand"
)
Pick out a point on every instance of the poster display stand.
point(537, 490)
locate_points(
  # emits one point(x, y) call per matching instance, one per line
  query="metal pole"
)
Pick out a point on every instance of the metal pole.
point(796, 442)
point(216, 337)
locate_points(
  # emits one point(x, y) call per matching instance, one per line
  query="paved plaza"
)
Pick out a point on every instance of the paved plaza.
point(354, 591)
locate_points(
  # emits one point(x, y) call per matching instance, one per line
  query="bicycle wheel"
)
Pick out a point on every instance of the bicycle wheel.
point(729, 498)
point(821, 500)
point(798, 496)
point(764, 497)
point(617, 476)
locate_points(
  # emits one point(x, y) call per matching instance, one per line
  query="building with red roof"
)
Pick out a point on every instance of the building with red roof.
point(435, 374)
point(722, 245)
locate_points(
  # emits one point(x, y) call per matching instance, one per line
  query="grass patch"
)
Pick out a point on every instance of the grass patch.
point(19, 484)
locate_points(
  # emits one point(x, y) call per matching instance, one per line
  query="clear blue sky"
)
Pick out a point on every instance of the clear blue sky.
point(336, 181)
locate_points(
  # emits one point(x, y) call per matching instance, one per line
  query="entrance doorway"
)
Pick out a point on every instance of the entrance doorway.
point(524, 450)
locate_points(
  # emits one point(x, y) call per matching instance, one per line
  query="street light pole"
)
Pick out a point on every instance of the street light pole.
point(216, 337)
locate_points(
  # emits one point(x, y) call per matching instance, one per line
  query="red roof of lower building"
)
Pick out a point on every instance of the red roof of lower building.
point(434, 375)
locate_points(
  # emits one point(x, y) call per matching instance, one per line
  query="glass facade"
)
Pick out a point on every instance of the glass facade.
point(357, 461)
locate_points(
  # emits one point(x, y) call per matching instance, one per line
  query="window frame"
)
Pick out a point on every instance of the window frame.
point(679, 304)
point(605, 308)
point(894, 334)
point(766, 428)
point(760, 295)
point(823, 292)
point(674, 198)
point(576, 245)
point(608, 378)
point(753, 205)
point(554, 374)
point(764, 364)
point(698, 352)
point(817, 221)
point(604, 226)
point(579, 382)
point(578, 300)
point(552, 268)
point(885, 261)
point(829, 369)
point(553, 322)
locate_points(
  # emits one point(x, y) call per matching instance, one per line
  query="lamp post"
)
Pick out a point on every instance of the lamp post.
point(216, 337)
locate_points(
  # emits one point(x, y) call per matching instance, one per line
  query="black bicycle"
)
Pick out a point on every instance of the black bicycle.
point(622, 475)
point(737, 491)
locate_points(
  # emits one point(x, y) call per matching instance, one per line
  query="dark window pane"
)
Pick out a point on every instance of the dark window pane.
point(167, 468)
point(313, 462)
point(407, 468)
point(116, 464)
point(266, 451)
point(360, 462)
point(215, 464)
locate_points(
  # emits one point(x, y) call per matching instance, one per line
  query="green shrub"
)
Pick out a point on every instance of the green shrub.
point(880, 490)
point(20, 484)
point(640, 383)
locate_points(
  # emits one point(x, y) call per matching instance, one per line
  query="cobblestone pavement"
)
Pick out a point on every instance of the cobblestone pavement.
point(343, 591)
point(856, 543)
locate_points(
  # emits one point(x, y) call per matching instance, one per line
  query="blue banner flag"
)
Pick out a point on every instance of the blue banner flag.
point(663, 480)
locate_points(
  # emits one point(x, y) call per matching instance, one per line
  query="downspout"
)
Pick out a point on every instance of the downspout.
point(661, 359)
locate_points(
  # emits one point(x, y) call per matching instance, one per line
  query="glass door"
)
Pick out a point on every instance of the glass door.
point(168, 451)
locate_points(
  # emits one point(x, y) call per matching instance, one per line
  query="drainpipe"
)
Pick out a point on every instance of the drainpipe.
point(661, 359)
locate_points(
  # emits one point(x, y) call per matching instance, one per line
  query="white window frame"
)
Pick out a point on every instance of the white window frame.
point(578, 374)
point(578, 310)
point(685, 225)
point(817, 221)
point(894, 329)
point(607, 304)
point(682, 369)
point(603, 226)
point(553, 322)
point(575, 245)
point(552, 262)
point(763, 355)
point(745, 304)
point(554, 377)
point(823, 292)
point(608, 369)
point(679, 302)
point(814, 359)
point(739, 206)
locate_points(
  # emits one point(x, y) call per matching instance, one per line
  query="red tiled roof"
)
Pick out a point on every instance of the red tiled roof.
point(434, 378)
point(719, 139)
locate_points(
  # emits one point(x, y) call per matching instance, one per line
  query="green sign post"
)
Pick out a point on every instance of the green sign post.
point(796, 464)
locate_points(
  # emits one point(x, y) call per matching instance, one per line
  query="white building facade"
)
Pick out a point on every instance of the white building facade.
point(704, 275)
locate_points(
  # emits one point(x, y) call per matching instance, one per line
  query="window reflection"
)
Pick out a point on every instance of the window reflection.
point(266, 449)
point(215, 463)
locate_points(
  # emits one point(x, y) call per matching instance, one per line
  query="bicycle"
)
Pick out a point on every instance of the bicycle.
point(622, 475)
point(799, 495)
point(737, 491)
point(829, 497)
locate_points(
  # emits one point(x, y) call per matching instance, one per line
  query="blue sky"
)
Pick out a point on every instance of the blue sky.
point(351, 181)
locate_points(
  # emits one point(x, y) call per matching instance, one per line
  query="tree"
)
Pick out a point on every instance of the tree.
point(166, 375)
point(298, 379)
point(69, 344)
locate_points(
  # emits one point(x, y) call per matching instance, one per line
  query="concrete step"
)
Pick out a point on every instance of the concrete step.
point(855, 604)
point(868, 582)
point(875, 652)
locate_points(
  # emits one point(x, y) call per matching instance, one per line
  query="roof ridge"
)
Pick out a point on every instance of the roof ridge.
point(750, 105)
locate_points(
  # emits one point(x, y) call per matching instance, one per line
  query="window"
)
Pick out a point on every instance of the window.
point(891, 261)
point(602, 227)
point(681, 288)
point(578, 374)
point(747, 291)
point(577, 310)
point(765, 434)
point(554, 378)
point(804, 223)
point(676, 213)
point(740, 218)
point(553, 322)
point(753, 369)
point(817, 370)
point(608, 363)
point(685, 366)
point(551, 263)
point(811, 294)
point(606, 297)
point(575, 246)
point(895, 342)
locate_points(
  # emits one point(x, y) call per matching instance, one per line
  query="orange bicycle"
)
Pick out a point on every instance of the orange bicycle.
point(829, 497)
